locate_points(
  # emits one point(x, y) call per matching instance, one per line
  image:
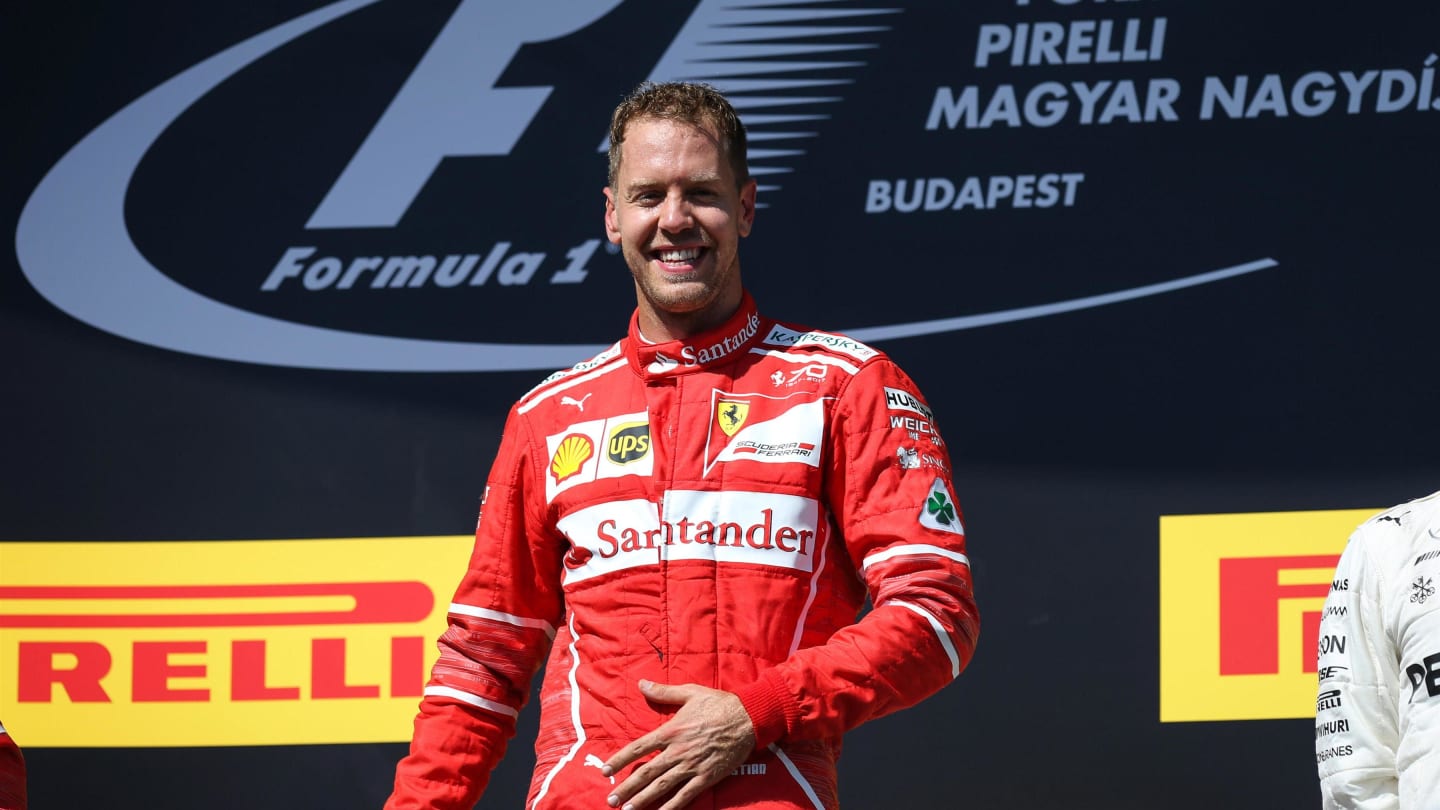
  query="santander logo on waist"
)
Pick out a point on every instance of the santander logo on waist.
point(745, 528)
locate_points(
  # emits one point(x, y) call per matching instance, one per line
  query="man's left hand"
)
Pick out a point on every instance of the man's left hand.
point(699, 746)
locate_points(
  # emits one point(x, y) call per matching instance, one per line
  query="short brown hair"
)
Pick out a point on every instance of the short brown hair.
point(693, 103)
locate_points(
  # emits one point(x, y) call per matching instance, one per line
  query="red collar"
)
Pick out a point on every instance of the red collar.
point(725, 342)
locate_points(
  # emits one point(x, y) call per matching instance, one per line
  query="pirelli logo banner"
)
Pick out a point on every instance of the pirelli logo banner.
point(269, 642)
point(1240, 603)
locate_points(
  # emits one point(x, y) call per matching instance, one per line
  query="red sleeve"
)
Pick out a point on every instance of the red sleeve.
point(501, 624)
point(12, 774)
point(890, 493)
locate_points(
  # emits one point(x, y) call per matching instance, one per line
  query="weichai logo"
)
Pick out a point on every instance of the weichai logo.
point(220, 643)
point(1241, 598)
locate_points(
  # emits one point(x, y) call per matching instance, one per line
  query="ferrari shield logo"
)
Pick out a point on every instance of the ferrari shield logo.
point(731, 415)
point(762, 429)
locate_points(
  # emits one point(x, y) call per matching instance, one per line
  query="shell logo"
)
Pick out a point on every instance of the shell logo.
point(572, 453)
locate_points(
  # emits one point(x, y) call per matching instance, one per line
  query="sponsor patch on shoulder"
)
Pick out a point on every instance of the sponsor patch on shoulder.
point(780, 336)
point(898, 399)
point(911, 458)
point(939, 511)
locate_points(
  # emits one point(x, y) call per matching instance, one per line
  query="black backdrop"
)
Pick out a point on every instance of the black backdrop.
point(1306, 383)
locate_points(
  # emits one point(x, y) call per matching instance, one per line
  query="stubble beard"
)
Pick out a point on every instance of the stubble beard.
point(675, 293)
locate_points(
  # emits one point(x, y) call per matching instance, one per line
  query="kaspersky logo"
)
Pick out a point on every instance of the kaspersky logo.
point(1241, 600)
point(220, 643)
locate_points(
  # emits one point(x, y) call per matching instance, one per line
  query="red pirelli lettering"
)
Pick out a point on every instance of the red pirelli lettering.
point(41, 669)
point(327, 673)
point(1250, 594)
point(158, 667)
point(407, 666)
point(247, 674)
point(153, 670)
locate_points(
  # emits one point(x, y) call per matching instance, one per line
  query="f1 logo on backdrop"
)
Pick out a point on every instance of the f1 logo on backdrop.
point(220, 643)
point(1240, 602)
point(307, 268)
point(451, 106)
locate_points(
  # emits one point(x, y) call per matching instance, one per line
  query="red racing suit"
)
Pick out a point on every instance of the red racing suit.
point(12, 773)
point(709, 511)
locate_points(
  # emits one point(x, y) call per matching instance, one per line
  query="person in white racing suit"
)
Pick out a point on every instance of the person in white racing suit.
point(1377, 716)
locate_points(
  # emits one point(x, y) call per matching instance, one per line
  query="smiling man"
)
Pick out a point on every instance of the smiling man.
point(677, 211)
point(692, 548)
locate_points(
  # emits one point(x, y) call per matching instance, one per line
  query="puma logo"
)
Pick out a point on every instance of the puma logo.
point(1396, 519)
point(592, 761)
point(579, 403)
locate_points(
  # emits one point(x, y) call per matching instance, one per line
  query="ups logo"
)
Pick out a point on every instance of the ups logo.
point(629, 443)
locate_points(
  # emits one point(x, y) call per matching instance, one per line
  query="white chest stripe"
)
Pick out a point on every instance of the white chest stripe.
point(810, 597)
point(574, 718)
point(791, 357)
point(602, 370)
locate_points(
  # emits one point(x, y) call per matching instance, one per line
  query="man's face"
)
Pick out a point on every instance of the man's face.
point(678, 217)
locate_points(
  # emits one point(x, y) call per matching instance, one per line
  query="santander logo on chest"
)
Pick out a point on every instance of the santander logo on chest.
point(729, 527)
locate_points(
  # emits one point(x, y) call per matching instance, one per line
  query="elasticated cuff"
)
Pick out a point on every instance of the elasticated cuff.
point(771, 709)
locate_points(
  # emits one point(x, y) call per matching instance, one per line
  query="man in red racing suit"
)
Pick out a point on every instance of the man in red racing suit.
point(12, 773)
point(701, 516)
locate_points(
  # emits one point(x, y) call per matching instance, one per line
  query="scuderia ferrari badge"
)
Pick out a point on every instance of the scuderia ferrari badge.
point(939, 511)
point(731, 415)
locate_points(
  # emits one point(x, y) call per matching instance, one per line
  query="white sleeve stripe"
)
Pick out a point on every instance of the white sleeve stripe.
point(797, 776)
point(909, 550)
point(473, 700)
point(495, 615)
point(939, 632)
